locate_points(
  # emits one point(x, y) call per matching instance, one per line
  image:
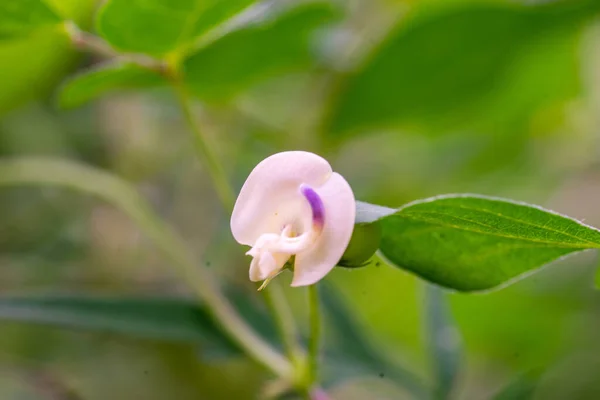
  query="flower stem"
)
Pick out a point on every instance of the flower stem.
point(242, 333)
point(199, 279)
point(279, 309)
point(314, 340)
point(41, 171)
point(205, 150)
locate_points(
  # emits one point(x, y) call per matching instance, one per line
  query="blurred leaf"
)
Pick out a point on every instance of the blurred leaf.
point(277, 44)
point(469, 242)
point(96, 82)
point(155, 318)
point(214, 12)
point(60, 172)
point(160, 318)
point(20, 17)
point(522, 388)
point(160, 26)
point(35, 226)
point(443, 65)
point(352, 353)
point(32, 65)
point(44, 171)
point(444, 341)
point(257, 316)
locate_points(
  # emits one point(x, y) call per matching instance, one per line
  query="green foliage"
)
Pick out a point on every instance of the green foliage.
point(521, 388)
point(20, 17)
point(158, 27)
point(72, 175)
point(451, 64)
point(471, 243)
point(33, 63)
point(352, 352)
point(214, 12)
point(100, 80)
point(500, 68)
point(280, 43)
point(165, 319)
point(443, 341)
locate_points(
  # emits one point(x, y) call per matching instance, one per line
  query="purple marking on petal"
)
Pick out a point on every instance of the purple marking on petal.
point(316, 205)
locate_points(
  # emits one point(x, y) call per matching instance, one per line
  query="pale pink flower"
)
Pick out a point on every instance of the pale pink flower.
point(294, 204)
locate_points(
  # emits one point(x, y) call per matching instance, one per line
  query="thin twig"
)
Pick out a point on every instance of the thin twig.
point(205, 151)
point(314, 340)
point(280, 310)
point(87, 42)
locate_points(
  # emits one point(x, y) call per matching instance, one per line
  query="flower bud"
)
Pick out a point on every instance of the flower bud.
point(363, 244)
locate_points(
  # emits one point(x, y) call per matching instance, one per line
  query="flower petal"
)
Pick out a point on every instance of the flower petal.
point(266, 265)
point(270, 198)
point(340, 209)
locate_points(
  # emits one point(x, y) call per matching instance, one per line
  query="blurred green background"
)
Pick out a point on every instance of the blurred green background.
point(406, 99)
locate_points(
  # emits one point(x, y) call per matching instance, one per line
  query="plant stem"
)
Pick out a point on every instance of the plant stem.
point(205, 150)
point(274, 297)
point(200, 280)
point(279, 309)
point(118, 192)
point(236, 328)
point(85, 41)
point(314, 340)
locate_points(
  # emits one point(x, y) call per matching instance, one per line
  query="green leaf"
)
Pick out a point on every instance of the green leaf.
point(73, 175)
point(471, 242)
point(167, 319)
point(161, 26)
point(20, 17)
point(352, 352)
point(444, 341)
point(440, 66)
point(215, 12)
point(98, 81)
point(27, 171)
point(278, 44)
point(32, 66)
point(521, 388)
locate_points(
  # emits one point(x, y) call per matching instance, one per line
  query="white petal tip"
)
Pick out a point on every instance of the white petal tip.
point(304, 281)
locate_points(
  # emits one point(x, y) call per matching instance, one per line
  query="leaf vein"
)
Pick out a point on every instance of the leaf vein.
point(498, 234)
point(523, 222)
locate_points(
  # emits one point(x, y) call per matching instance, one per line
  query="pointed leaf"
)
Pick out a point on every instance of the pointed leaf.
point(280, 43)
point(167, 319)
point(439, 65)
point(160, 26)
point(471, 242)
point(98, 81)
point(20, 17)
